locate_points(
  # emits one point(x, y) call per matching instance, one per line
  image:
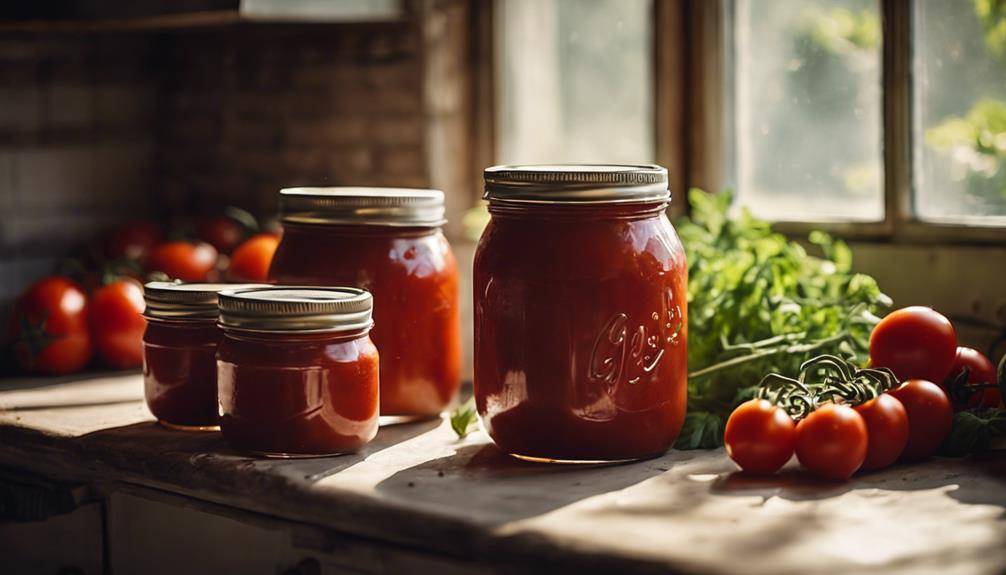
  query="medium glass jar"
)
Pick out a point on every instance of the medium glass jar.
point(296, 371)
point(180, 353)
point(580, 313)
point(386, 241)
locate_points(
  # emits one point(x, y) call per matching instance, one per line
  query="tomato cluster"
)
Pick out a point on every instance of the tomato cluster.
point(840, 428)
point(59, 325)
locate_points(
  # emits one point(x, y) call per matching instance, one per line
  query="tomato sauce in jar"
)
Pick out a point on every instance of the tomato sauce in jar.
point(388, 242)
point(296, 371)
point(180, 353)
point(580, 314)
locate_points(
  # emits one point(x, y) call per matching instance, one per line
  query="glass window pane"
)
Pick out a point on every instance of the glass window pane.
point(807, 109)
point(574, 81)
point(960, 110)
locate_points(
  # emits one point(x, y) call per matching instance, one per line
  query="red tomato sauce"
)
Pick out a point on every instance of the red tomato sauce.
point(180, 371)
point(287, 395)
point(413, 277)
point(580, 331)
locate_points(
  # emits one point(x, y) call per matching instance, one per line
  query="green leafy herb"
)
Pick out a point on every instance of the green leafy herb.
point(702, 429)
point(759, 303)
point(464, 419)
point(973, 431)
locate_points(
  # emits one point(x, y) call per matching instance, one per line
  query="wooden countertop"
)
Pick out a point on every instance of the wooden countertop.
point(417, 485)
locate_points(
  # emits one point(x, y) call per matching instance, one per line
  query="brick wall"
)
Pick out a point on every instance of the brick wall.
point(252, 110)
point(76, 144)
point(100, 128)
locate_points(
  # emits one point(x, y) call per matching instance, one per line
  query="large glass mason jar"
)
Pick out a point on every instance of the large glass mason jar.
point(580, 313)
point(387, 241)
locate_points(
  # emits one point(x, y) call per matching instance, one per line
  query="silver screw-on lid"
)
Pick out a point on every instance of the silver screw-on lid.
point(576, 183)
point(177, 300)
point(297, 309)
point(362, 206)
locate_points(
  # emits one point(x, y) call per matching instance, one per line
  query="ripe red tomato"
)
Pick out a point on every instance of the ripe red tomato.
point(190, 262)
point(49, 327)
point(250, 261)
point(930, 417)
point(980, 370)
point(222, 232)
point(915, 343)
point(117, 323)
point(832, 441)
point(887, 428)
point(132, 240)
point(759, 436)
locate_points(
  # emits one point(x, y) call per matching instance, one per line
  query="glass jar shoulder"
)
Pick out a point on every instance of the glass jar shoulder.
point(556, 247)
point(282, 351)
point(182, 333)
point(335, 253)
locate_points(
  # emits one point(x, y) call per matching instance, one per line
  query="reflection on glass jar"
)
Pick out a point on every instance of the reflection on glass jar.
point(580, 313)
point(386, 241)
point(180, 353)
point(297, 372)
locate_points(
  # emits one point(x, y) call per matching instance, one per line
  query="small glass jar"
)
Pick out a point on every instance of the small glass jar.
point(296, 371)
point(580, 314)
point(389, 242)
point(180, 353)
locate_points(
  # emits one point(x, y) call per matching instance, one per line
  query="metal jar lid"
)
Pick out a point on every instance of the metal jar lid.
point(576, 183)
point(177, 300)
point(297, 309)
point(362, 206)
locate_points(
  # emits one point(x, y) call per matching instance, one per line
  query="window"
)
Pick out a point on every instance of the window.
point(960, 110)
point(807, 109)
point(882, 119)
point(575, 81)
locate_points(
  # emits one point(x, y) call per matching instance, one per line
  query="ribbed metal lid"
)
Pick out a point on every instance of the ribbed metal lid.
point(576, 183)
point(177, 300)
point(362, 206)
point(297, 309)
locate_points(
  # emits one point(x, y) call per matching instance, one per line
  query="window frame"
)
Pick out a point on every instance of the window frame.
point(691, 117)
point(900, 223)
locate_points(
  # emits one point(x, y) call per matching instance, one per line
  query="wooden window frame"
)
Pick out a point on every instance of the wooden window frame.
point(705, 45)
point(690, 111)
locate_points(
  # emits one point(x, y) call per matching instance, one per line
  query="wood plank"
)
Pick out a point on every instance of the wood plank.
point(417, 486)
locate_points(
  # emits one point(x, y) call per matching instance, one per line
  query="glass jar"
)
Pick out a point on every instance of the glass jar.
point(296, 371)
point(580, 313)
point(389, 242)
point(180, 353)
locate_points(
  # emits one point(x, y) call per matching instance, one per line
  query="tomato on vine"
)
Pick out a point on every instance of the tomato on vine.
point(117, 323)
point(832, 441)
point(49, 327)
point(915, 343)
point(251, 260)
point(887, 427)
point(930, 417)
point(972, 381)
point(186, 261)
point(760, 436)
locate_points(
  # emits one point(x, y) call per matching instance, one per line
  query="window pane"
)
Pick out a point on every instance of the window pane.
point(574, 81)
point(807, 109)
point(960, 110)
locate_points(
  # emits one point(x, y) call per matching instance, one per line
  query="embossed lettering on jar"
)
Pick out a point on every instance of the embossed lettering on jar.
point(580, 313)
point(386, 241)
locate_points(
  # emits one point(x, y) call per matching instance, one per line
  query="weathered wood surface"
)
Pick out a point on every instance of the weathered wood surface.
point(417, 486)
